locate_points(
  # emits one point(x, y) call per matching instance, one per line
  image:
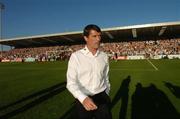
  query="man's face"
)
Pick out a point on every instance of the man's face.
point(93, 40)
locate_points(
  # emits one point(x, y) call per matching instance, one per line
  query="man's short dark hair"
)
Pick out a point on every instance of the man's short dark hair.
point(90, 27)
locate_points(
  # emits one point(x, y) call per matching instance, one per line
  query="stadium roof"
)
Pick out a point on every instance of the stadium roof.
point(115, 34)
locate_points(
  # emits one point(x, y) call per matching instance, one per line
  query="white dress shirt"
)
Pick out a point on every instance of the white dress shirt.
point(87, 74)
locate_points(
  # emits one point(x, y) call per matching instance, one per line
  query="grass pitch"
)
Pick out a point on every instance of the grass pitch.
point(139, 88)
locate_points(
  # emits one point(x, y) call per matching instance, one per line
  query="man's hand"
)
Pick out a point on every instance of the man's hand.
point(89, 104)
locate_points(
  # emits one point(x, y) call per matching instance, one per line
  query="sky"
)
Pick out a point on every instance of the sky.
point(38, 17)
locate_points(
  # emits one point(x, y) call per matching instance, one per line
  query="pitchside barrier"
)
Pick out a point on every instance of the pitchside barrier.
point(31, 59)
point(143, 57)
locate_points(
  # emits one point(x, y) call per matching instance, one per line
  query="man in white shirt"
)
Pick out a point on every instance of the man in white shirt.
point(88, 78)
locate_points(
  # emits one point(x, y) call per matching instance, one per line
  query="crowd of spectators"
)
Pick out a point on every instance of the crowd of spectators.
point(146, 48)
point(131, 48)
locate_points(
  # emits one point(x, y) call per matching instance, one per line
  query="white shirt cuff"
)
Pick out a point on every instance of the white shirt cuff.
point(81, 98)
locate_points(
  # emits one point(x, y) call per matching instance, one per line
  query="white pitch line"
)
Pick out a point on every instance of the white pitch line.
point(152, 64)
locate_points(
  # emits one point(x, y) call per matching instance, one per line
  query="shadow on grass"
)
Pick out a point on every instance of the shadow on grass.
point(40, 97)
point(122, 94)
point(152, 103)
point(70, 114)
point(173, 88)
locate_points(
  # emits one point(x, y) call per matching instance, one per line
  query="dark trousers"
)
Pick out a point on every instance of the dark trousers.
point(102, 101)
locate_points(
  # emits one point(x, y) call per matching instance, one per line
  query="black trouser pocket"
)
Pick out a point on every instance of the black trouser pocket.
point(101, 98)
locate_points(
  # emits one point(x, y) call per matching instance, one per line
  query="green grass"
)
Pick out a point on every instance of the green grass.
point(36, 88)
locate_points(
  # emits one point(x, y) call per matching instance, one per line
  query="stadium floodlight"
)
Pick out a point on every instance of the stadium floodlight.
point(162, 30)
point(1, 8)
point(134, 33)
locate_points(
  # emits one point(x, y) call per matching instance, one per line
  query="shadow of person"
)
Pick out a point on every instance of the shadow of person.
point(122, 94)
point(38, 97)
point(173, 88)
point(34, 95)
point(70, 113)
point(151, 103)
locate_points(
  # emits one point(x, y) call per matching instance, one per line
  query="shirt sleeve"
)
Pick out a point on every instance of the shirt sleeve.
point(107, 76)
point(72, 78)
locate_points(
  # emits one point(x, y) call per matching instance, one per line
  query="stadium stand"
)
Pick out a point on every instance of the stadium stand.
point(155, 41)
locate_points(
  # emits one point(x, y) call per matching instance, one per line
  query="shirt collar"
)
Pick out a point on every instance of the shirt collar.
point(86, 51)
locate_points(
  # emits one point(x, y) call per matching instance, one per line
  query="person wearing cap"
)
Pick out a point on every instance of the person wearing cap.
point(88, 78)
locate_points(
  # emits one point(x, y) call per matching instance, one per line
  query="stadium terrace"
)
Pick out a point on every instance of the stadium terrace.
point(146, 41)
